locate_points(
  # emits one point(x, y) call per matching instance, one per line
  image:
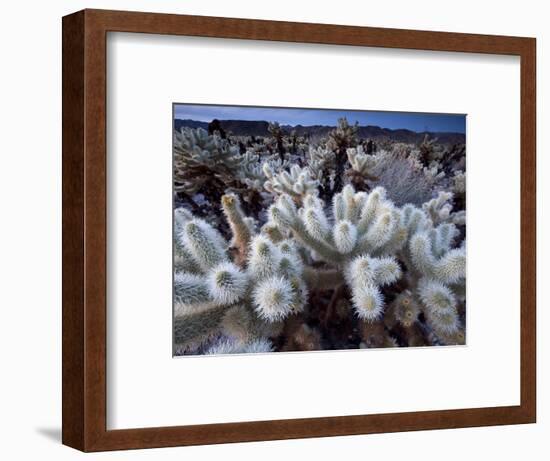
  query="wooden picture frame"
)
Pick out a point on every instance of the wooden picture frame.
point(85, 222)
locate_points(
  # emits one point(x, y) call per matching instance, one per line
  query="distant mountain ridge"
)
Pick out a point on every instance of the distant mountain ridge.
point(259, 128)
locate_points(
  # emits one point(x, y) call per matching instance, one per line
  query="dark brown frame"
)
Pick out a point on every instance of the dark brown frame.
point(84, 229)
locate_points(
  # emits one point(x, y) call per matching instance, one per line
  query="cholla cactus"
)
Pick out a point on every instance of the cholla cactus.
point(360, 161)
point(340, 140)
point(361, 224)
point(343, 136)
point(297, 183)
point(292, 254)
point(458, 187)
point(440, 210)
point(245, 288)
point(459, 182)
point(365, 276)
point(363, 234)
point(199, 156)
point(231, 346)
point(440, 306)
point(206, 166)
point(434, 171)
point(430, 150)
point(276, 131)
point(259, 290)
point(321, 162)
point(242, 227)
point(433, 257)
point(252, 170)
point(438, 273)
point(363, 231)
point(362, 166)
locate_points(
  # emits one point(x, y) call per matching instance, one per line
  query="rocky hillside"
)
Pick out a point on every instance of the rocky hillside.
point(259, 128)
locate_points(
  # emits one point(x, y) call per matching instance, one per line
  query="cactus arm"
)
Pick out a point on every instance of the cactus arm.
point(239, 227)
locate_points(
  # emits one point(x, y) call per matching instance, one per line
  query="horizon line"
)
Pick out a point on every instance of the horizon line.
point(418, 122)
point(319, 125)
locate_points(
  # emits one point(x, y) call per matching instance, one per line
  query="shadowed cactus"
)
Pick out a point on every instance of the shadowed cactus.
point(339, 141)
point(276, 131)
point(200, 155)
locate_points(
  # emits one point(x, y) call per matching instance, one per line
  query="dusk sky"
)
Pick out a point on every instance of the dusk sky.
point(285, 116)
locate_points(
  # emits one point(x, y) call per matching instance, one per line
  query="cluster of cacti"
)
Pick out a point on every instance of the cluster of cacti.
point(343, 137)
point(321, 162)
point(297, 182)
point(252, 172)
point(355, 241)
point(362, 237)
point(198, 155)
point(440, 210)
point(399, 169)
point(281, 245)
point(362, 166)
point(242, 289)
point(429, 150)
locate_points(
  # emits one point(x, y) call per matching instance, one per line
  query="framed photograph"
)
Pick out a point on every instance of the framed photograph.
point(279, 230)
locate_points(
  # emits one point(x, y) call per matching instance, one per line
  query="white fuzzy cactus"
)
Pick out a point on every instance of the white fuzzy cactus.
point(293, 237)
point(190, 289)
point(296, 182)
point(358, 238)
point(251, 171)
point(227, 283)
point(242, 227)
point(197, 152)
point(267, 286)
point(441, 306)
point(321, 161)
point(437, 270)
point(440, 210)
point(432, 257)
point(363, 234)
point(365, 276)
point(459, 182)
point(360, 224)
point(360, 242)
point(231, 346)
point(204, 243)
point(272, 298)
point(361, 162)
